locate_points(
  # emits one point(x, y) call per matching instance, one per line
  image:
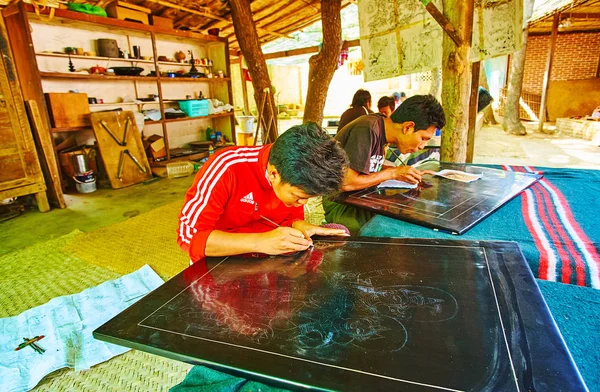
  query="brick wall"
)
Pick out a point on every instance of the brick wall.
point(576, 57)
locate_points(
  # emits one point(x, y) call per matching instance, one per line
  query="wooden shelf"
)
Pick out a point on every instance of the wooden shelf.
point(217, 46)
point(72, 129)
point(97, 58)
point(203, 80)
point(192, 157)
point(63, 75)
point(70, 16)
point(129, 103)
point(182, 64)
point(172, 120)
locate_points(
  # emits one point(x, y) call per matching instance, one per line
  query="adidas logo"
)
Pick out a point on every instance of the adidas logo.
point(248, 199)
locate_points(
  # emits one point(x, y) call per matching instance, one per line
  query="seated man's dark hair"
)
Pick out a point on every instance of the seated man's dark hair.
point(423, 110)
point(308, 158)
point(386, 101)
point(361, 98)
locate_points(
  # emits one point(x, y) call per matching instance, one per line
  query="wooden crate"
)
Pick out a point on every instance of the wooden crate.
point(126, 11)
point(161, 22)
point(68, 110)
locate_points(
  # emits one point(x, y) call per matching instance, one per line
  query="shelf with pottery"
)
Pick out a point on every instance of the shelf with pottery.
point(81, 30)
point(169, 120)
point(172, 120)
point(188, 79)
point(93, 58)
point(65, 75)
point(185, 64)
point(130, 103)
point(72, 18)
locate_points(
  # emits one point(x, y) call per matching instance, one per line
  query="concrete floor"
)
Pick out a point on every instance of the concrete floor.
point(88, 212)
point(493, 145)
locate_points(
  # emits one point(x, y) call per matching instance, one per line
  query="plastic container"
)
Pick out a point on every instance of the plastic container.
point(181, 169)
point(246, 123)
point(245, 136)
point(194, 107)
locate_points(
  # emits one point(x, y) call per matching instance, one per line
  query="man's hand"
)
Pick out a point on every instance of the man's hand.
point(410, 174)
point(309, 230)
point(283, 240)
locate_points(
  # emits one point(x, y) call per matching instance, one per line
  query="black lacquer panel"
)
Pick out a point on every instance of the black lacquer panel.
point(441, 203)
point(363, 313)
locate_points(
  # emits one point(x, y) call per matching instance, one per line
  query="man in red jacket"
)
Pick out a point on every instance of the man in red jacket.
point(251, 199)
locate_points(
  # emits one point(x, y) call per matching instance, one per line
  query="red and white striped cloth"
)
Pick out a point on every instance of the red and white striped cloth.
point(566, 253)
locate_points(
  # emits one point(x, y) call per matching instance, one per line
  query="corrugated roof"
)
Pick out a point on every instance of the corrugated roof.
point(542, 8)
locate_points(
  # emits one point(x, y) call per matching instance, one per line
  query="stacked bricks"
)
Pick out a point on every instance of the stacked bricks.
point(576, 57)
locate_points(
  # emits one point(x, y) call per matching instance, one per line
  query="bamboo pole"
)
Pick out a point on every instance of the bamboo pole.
point(548, 71)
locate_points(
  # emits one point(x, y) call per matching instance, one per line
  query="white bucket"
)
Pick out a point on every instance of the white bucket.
point(85, 182)
point(246, 123)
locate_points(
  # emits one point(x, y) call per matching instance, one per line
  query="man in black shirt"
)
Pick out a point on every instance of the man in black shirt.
point(410, 126)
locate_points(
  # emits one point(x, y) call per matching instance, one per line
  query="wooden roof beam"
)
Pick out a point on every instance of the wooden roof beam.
point(207, 14)
point(580, 15)
point(312, 16)
point(442, 21)
point(310, 49)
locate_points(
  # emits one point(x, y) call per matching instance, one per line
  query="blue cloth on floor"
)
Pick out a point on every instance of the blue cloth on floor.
point(201, 378)
point(563, 207)
point(576, 311)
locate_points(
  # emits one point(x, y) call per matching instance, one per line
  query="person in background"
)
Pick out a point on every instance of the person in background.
point(386, 106)
point(365, 140)
point(361, 105)
point(247, 200)
point(399, 98)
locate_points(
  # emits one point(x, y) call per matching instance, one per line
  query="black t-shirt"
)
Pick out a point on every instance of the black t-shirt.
point(352, 114)
point(363, 140)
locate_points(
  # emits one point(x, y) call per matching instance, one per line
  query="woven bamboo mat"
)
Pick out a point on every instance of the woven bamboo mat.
point(124, 247)
point(314, 212)
point(34, 275)
point(150, 239)
point(72, 263)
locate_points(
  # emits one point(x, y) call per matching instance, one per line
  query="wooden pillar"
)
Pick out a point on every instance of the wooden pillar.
point(473, 103)
point(244, 86)
point(548, 72)
point(322, 66)
point(245, 32)
point(456, 81)
point(21, 46)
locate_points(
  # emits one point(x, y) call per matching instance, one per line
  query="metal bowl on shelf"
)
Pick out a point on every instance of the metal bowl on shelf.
point(127, 71)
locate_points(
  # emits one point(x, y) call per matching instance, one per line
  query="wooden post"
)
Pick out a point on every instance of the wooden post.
point(456, 82)
point(46, 154)
point(17, 28)
point(245, 31)
point(244, 86)
point(473, 103)
point(322, 66)
point(161, 104)
point(548, 71)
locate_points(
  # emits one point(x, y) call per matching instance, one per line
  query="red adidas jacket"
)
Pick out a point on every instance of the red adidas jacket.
point(232, 193)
